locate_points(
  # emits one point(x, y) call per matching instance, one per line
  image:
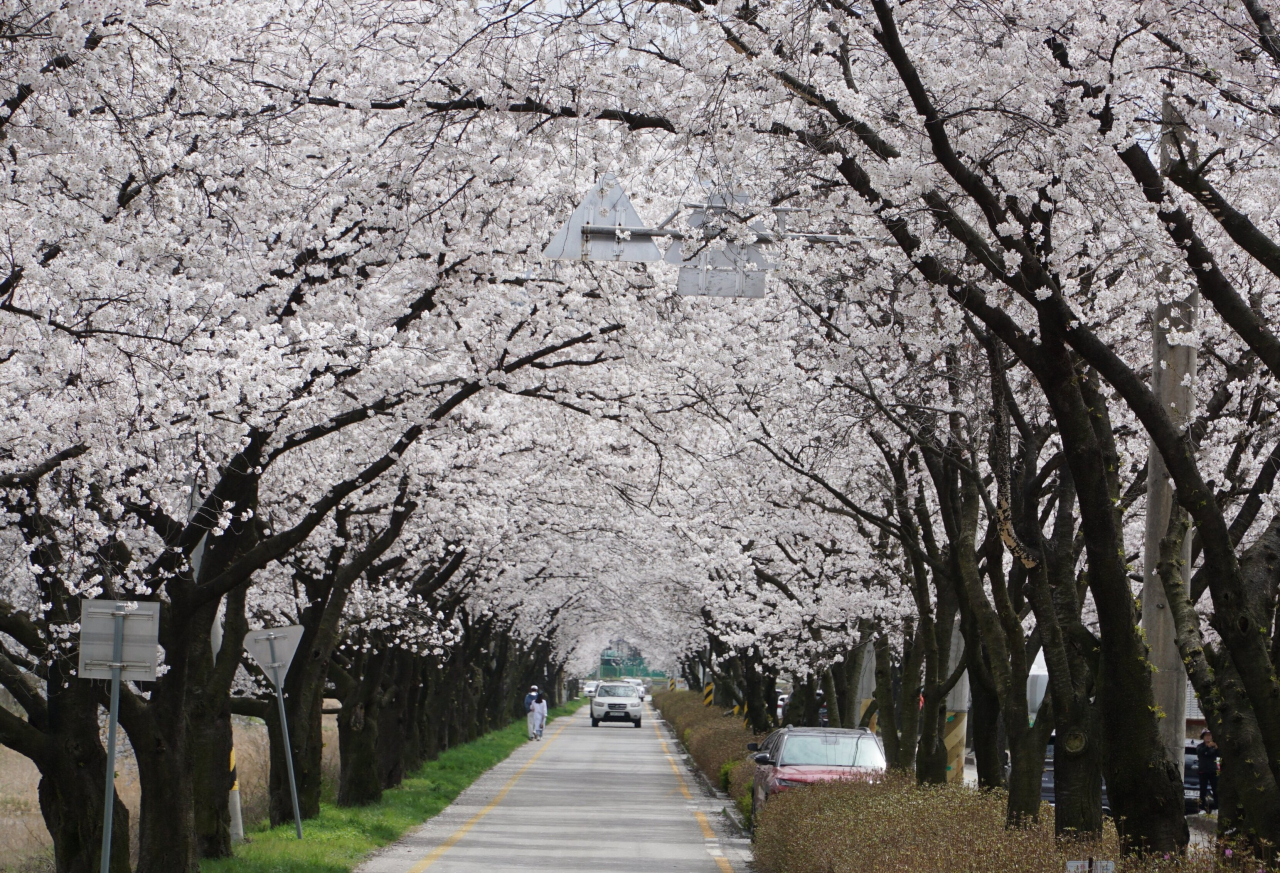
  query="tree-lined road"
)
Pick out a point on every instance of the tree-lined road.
point(584, 798)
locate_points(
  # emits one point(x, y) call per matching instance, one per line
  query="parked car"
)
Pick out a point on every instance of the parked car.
point(590, 688)
point(791, 757)
point(616, 701)
point(1190, 779)
point(784, 709)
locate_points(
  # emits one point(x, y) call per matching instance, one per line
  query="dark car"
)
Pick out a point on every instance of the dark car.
point(1190, 779)
point(791, 757)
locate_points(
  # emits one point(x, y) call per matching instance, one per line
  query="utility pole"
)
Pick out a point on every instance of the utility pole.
point(1173, 373)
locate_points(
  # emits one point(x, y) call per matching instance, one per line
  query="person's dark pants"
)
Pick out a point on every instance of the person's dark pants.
point(1208, 785)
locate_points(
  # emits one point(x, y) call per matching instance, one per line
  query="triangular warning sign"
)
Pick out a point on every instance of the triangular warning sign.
point(606, 204)
point(273, 648)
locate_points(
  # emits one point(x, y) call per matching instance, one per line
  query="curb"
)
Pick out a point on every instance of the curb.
point(730, 808)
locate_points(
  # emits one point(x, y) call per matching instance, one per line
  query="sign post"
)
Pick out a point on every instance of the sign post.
point(273, 649)
point(118, 640)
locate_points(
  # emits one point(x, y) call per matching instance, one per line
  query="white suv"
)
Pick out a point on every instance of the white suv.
point(616, 700)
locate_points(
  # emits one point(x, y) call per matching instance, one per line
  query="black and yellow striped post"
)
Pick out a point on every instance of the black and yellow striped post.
point(708, 693)
point(237, 820)
point(953, 738)
point(671, 684)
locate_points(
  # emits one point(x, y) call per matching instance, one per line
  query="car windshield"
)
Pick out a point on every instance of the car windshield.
point(616, 691)
point(831, 750)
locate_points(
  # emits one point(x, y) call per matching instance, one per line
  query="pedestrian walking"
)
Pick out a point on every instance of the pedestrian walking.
point(530, 717)
point(539, 714)
point(1207, 767)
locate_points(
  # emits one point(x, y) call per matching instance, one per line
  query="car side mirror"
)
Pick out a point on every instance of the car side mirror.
point(753, 747)
point(763, 759)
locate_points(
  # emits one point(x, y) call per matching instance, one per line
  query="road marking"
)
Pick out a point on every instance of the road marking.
point(708, 833)
point(461, 832)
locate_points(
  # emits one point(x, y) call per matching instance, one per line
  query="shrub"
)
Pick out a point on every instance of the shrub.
point(895, 826)
point(717, 742)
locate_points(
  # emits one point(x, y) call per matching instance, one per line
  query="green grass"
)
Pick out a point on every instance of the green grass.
point(339, 839)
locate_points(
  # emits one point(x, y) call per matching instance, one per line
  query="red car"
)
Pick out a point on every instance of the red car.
point(792, 757)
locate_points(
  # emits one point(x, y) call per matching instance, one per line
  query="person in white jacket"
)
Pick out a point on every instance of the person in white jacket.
point(531, 720)
point(539, 713)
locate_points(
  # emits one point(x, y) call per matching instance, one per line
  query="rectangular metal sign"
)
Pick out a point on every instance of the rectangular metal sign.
point(731, 270)
point(700, 281)
point(1091, 866)
point(140, 653)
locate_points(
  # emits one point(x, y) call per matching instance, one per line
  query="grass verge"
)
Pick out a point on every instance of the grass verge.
point(340, 838)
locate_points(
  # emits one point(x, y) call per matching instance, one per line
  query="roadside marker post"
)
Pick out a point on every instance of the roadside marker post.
point(273, 649)
point(119, 640)
point(708, 694)
point(233, 801)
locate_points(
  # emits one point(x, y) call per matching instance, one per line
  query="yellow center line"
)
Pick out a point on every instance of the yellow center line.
point(707, 832)
point(461, 832)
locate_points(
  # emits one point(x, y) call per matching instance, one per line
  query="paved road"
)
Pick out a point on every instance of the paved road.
point(608, 798)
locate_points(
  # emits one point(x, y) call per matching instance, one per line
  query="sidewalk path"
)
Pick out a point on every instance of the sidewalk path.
point(589, 799)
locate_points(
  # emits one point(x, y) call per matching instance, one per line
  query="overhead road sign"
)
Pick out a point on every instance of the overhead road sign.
point(605, 227)
point(608, 212)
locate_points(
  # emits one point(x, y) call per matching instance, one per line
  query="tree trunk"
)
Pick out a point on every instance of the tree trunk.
point(1142, 783)
point(73, 783)
point(391, 725)
point(210, 748)
point(167, 828)
point(1026, 767)
point(360, 783)
point(984, 709)
point(759, 710)
point(306, 746)
point(884, 704)
point(1077, 777)
point(832, 698)
point(71, 794)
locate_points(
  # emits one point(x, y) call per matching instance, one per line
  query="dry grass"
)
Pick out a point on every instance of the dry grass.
point(25, 846)
point(895, 826)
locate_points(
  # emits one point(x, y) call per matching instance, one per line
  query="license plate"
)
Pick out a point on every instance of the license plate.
point(1189, 793)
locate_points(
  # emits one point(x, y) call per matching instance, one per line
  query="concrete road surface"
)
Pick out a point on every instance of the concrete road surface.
point(592, 799)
